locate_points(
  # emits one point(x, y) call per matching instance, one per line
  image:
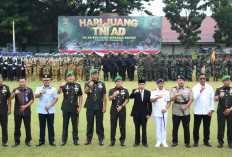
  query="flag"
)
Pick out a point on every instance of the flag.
point(213, 56)
point(13, 36)
point(84, 56)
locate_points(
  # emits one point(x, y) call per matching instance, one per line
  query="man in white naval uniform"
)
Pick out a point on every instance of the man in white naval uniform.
point(161, 99)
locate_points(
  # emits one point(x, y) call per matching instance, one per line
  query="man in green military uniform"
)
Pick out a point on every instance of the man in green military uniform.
point(96, 97)
point(208, 68)
point(70, 106)
point(5, 110)
point(224, 96)
point(198, 66)
point(119, 97)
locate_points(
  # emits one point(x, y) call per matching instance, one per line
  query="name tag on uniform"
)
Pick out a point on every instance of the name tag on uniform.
point(4, 91)
point(26, 98)
point(123, 92)
point(100, 85)
point(50, 91)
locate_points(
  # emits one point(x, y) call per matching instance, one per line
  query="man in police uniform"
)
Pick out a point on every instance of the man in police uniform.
point(224, 96)
point(47, 95)
point(5, 110)
point(96, 97)
point(119, 97)
point(70, 106)
point(182, 97)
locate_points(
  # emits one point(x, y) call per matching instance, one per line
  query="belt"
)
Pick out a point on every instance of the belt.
point(181, 103)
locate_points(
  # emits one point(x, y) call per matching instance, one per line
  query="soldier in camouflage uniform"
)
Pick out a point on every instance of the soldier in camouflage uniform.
point(55, 68)
point(198, 66)
point(28, 68)
point(35, 67)
point(79, 68)
point(208, 65)
point(148, 69)
point(140, 69)
point(217, 67)
point(87, 69)
point(173, 69)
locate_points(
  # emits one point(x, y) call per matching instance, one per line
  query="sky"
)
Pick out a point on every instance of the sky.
point(156, 8)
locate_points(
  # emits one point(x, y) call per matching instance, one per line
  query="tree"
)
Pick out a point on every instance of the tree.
point(222, 14)
point(37, 20)
point(186, 26)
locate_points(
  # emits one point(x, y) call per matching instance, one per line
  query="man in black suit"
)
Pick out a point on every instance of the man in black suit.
point(141, 111)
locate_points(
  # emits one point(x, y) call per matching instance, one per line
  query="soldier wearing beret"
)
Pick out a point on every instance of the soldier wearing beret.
point(48, 96)
point(95, 105)
point(5, 110)
point(119, 97)
point(224, 96)
point(71, 107)
point(182, 97)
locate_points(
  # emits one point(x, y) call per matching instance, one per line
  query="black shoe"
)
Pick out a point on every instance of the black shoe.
point(112, 143)
point(123, 143)
point(101, 143)
point(207, 144)
point(220, 145)
point(52, 143)
point(15, 144)
point(63, 143)
point(4, 144)
point(40, 144)
point(28, 144)
point(230, 145)
point(195, 144)
point(76, 143)
point(174, 144)
point(87, 142)
point(187, 145)
point(135, 145)
point(145, 145)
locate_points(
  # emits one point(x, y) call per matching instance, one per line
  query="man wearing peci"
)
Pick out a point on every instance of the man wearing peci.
point(141, 111)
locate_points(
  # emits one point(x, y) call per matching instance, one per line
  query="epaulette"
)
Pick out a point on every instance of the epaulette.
point(125, 88)
point(112, 88)
point(187, 87)
point(166, 89)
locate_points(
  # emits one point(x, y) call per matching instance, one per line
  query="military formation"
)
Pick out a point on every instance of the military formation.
point(148, 66)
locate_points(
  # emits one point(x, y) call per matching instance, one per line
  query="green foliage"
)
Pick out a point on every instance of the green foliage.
point(186, 26)
point(222, 13)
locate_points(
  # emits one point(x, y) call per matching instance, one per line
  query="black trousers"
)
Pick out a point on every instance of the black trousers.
point(27, 123)
point(140, 121)
point(99, 124)
point(185, 122)
point(3, 121)
point(74, 118)
point(206, 125)
point(221, 119)
point(49, 119)
point(114, 116)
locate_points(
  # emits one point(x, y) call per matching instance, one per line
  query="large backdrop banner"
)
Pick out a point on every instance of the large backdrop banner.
point(131, 34)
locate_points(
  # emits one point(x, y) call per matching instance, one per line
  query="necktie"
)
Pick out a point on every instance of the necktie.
point(141, 94)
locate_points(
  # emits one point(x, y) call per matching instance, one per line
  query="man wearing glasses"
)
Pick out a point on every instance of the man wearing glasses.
point(203, 109)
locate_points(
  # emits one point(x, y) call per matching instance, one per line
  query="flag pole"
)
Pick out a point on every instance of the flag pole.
point(13, 37)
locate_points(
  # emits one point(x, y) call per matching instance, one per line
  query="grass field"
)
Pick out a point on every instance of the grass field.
point(94, 149)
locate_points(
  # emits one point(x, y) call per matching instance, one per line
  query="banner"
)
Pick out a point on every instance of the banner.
point(118, 34)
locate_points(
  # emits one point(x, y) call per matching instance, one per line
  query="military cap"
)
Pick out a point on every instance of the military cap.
point(117, 78)
point(160, 80)
point(46, 77)
point(69, 73)
point(94, 71)
point(226, 77)
point(181, 77)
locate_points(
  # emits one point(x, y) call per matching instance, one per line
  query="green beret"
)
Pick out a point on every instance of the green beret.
point(225, 77)
point(0, 75)
point(69, 73)
point(94, 71)
point(117, 78)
